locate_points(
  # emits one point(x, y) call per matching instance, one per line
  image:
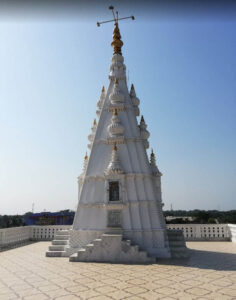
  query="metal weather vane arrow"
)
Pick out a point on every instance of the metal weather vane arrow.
point(115, 17)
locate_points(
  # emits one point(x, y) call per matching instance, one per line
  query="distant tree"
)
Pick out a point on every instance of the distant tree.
point(211, 221)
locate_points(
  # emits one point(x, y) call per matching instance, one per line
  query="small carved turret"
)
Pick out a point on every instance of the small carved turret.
point(155, 170)
point(85, 163)
point(114, 166)
point(92, 134)
point(144, 133)
point(116, 96)
point(115, 128)
point(101, 101)
point(135, 101)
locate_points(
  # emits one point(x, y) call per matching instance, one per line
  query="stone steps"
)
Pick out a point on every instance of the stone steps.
point(55, 253)
point(59, 242)
point(62, 232)
point(111, 248)
point(177, 244)
point(58, 247)
point(61, 237)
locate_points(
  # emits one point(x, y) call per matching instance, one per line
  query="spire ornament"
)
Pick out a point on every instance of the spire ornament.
point(116, 42)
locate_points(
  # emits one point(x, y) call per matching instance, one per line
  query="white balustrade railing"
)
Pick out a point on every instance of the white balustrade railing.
point(203, 232)
point(46, 232)
point(14, 235)
point(192, 232)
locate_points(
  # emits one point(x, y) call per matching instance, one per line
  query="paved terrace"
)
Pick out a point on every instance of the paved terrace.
point(210, 273)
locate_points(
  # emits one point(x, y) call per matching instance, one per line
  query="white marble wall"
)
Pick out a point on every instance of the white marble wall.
point(232, 231)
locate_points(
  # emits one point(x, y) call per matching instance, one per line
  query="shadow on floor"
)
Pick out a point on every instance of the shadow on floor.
point(9, 247)
point(204, 260)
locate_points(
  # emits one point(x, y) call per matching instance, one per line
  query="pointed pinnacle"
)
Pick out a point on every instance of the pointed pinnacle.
point(94, 122)
point(114, 147)
point(103, 89)
point(132, 87)
point(152, 153)
point(142, 119)
point(116, 42)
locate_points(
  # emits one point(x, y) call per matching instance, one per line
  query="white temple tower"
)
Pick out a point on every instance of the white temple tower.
point(120, 200)
point(119, 189)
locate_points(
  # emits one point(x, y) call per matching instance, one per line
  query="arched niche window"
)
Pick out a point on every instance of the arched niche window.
point(114, 194)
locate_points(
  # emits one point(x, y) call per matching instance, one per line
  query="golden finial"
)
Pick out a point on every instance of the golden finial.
point(103, 89)
point(114, 147)
point(142, 119)
point(116, 42)
point(115, 112)
point(86, 156)
point(94, 122)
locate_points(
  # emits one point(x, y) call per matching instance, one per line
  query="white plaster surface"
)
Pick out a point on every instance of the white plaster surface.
point(140, 204)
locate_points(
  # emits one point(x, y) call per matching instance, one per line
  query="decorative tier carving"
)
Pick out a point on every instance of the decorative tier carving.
point(116, 129)
point(116, 96)
point(114, 166)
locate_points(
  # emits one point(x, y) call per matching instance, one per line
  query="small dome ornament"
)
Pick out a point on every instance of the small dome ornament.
point(144, 133)
point(116, 97)
point(115, 129)
point(114, 166)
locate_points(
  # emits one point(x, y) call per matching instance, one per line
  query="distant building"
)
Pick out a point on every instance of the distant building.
point(64, 217)
point(184, 218)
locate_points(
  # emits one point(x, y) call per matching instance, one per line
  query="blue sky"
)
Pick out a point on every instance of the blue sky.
point(51, 76)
